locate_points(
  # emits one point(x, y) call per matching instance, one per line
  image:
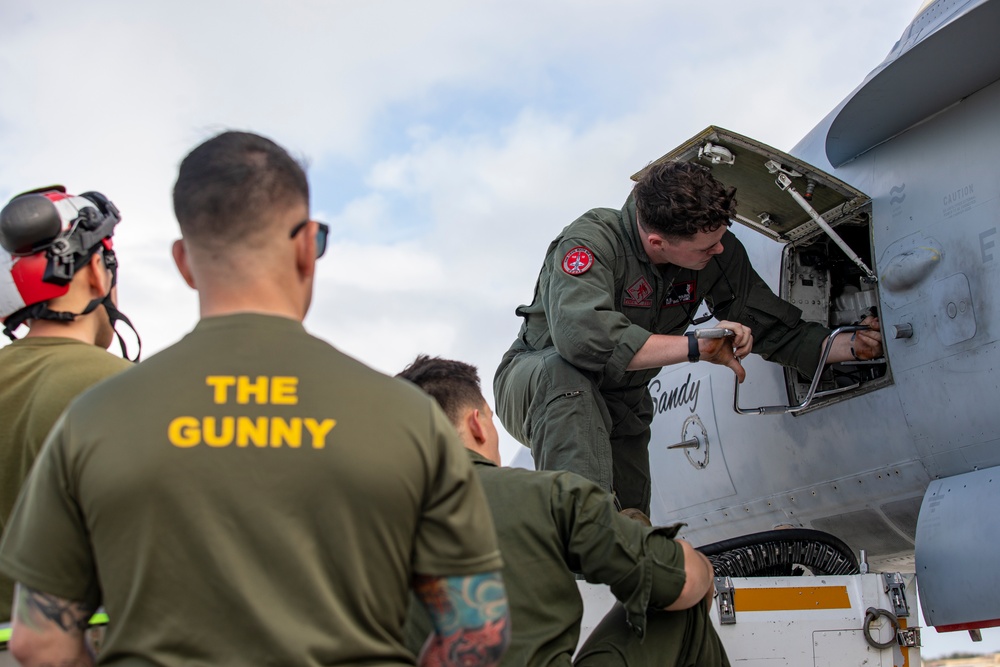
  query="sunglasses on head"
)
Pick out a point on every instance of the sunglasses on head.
point(321, 235)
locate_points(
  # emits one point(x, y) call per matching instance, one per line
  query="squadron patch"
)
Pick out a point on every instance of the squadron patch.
point(638, 294)
point(680, 293)
point(578, 260)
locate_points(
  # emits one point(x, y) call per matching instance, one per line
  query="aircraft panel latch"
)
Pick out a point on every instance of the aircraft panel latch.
point(895, 588)
point(908, 637)
point(724, 597)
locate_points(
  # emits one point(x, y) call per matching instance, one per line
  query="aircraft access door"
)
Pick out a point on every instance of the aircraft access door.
point(827, 268)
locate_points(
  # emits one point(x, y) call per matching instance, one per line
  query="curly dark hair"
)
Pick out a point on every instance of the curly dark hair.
point(680, 199)
point(453, 384)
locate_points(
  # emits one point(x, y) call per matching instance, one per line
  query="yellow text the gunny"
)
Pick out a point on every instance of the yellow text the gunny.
point(243, 431)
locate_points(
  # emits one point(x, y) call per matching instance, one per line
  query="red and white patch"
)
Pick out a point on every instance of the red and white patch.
point(681, 293)
point(578, 260)
point(639, 294)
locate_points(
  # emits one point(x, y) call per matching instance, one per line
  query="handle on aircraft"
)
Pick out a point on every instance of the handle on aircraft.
point(871, 615)
point(811, 394)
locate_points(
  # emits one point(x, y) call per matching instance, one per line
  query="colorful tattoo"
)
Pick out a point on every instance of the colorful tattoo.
point(39, 610)
point(470, 617)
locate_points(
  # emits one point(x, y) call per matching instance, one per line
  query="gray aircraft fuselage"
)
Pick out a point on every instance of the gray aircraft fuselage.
point(918, 440)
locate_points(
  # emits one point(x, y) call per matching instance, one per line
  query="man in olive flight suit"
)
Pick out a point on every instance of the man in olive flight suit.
point(615, 293)
point(551, 524)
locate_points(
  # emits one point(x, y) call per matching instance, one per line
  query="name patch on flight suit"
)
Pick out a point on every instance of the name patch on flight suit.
point(578, 260)
point(243, 431)
point(639, 294)
point(680, 293)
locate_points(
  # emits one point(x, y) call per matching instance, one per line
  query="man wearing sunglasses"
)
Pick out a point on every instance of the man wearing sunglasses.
point(251, 495)
point(616, 293)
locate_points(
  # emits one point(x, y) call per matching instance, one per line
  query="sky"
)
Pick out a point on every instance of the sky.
point(446, 142)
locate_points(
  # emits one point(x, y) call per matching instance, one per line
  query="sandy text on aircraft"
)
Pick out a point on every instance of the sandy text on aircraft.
point(685, 394)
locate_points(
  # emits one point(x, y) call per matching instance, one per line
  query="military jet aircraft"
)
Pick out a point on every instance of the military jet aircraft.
point(890, 206)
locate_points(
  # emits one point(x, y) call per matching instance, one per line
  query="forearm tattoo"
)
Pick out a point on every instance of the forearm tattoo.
point(38, 611)
point(470, 616)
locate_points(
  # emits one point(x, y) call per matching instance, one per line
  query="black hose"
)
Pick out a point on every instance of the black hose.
point(777, 552)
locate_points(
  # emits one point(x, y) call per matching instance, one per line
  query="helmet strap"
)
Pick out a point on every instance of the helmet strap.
point(117, 316)
point(38, 311)
point(41, 311)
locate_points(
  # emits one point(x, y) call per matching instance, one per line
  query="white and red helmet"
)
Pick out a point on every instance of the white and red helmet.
point(47, 236)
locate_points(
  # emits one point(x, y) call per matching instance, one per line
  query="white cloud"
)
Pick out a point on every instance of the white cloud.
point(382, 270)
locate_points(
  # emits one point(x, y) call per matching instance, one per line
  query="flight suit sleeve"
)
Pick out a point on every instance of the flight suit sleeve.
point(779, 333)
point(644, 567)
point(455, 536)
point(586, 329)
point(46, 545)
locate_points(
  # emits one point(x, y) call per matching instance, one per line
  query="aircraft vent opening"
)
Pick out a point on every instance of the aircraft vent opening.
point(832, 289)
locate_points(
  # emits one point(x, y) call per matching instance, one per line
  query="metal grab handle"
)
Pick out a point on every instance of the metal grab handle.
point(871, 615)
point(811, 394)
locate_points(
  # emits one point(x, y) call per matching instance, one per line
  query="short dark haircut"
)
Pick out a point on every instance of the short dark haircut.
point(453, 384)
point(680, 199)
point(229, 185)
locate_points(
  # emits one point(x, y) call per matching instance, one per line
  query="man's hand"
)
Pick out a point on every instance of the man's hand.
point(859, 346)
point(728, 351)
point(868, 344)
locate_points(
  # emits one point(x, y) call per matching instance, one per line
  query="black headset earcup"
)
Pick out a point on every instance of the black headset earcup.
point(28, 221)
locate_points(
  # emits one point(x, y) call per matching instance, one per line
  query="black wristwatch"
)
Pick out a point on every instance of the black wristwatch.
point(694, 354)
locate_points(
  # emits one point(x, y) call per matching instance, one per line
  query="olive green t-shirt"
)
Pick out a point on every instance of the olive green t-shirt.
point(38, 378)
point(250, 496)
